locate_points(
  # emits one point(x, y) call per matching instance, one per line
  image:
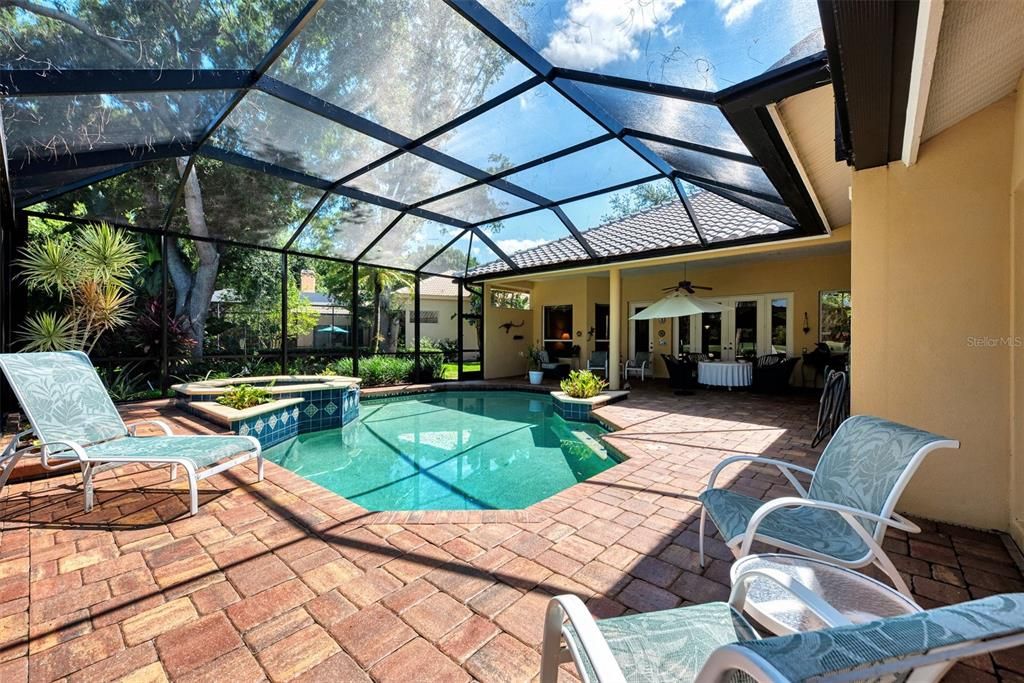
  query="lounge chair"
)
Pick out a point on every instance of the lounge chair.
point(76, 423)
point(842, 517)
point(713, 642)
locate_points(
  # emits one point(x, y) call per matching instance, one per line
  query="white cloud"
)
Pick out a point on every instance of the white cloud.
point(597, 32)
point(733, 11)
point(514, 246)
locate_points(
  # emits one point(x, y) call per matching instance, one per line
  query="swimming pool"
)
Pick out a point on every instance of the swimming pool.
point(450, 451)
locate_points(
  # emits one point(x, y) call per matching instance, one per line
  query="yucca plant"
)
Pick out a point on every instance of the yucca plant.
point(91, 276)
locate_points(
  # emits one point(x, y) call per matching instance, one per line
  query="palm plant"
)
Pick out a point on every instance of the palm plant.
point(383, 283)
point(90, 275)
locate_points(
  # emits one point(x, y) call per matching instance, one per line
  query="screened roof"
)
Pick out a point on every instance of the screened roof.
point(442, 137)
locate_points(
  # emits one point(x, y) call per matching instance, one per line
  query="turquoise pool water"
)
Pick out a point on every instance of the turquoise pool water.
point(450, 451)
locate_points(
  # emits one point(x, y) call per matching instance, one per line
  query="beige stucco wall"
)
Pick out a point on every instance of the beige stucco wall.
point(930, 269)
point(502, 351)
point(446, 326)
point(1017, 316)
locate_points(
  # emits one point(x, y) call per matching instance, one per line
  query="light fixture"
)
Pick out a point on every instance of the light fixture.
point(566, 336)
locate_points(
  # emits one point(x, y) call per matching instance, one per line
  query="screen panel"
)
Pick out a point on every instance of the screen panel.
point(410, 242)
point(266, 128)
point(715, 168)
point(533, 239)
point(408, 179)
point(702, 124)
point(636, 219)
point(62, 125)
point(343, 227)
point(594, 168)
point(408, 65)
point(537, 123)
point(722, 220)
point(244, 206)
point(478, 204)
point(703, 45)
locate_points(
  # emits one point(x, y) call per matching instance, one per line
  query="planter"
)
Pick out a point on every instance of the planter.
point(581, 409)
point(536, 376)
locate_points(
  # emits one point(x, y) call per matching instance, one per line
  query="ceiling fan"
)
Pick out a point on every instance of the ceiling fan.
point(685, 285)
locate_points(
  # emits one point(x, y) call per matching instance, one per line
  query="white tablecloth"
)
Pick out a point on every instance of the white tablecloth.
point(725, 374)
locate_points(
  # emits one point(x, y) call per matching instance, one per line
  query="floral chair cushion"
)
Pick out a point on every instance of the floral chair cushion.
point(849, 648)
point(202, 451)
point(863, 461)
point(669, 646)
point(822, 531)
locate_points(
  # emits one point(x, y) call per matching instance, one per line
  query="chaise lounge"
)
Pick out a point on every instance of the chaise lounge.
point(76, 423)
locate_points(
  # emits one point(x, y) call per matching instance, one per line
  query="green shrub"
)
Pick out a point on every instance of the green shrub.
point(583, 384)
point(245, 396)
point(377, 370)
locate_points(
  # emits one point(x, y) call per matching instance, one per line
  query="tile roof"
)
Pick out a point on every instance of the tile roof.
point(663, 226)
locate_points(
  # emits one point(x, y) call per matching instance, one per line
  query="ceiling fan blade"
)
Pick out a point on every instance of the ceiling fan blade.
point(701, 287)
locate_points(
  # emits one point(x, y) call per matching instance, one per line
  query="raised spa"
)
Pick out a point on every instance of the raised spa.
point(302, 404)
point(451, 450)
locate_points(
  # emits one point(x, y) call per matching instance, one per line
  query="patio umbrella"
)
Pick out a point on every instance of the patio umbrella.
point(677, 304)
point(332, 328)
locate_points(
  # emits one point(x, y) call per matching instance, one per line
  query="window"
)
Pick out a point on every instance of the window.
point(602, 315)
point(558, 329)
point(834, 311)
point(426, 317)
point(510, 298)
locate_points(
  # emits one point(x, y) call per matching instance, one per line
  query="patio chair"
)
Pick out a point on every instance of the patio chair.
point(842, 517)
point(682, 374)
point(76, 423)
point(771, 373)
point(598, 361)
point(639, 366)
point(713, 642)
point(552, 369)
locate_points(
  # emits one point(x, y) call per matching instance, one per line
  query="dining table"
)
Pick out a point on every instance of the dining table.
point(729, 374)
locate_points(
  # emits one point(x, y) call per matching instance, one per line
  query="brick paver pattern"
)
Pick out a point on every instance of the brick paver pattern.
point(283, 580)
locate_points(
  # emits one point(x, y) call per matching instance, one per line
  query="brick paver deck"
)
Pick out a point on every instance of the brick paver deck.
point(286, 581)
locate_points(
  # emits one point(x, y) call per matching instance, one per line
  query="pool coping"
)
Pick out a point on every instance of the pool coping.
point(345, 511)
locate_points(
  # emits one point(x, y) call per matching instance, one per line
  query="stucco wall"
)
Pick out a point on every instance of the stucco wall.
point(1017, 316)
point(502, 351)
point(930, 267)
point(446, 325)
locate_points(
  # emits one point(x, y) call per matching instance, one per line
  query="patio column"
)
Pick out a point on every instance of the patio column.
point(615, 327)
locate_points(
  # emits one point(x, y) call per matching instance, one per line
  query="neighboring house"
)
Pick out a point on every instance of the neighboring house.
point(438, 312)
point(332, 328)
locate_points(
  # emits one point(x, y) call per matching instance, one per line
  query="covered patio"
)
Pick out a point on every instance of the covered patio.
point(288, 581)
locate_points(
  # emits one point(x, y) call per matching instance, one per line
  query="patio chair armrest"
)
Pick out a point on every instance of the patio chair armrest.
point(849, 515)
point(593, 644)
point(815, 603)
point(12, 445)
point(787, 469)
point(76, 448)
point(133, 427)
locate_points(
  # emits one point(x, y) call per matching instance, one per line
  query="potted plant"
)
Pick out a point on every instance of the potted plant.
point(533, 361)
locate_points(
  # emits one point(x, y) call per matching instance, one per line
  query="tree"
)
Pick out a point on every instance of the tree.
point(638, 198)
point(434, 67)
point(382, 284)
point(90, 275)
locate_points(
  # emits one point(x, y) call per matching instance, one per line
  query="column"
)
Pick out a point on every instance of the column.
point(615, 325)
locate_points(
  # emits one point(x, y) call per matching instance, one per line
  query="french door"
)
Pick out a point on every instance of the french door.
point(640, 331)
point(748, 326)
